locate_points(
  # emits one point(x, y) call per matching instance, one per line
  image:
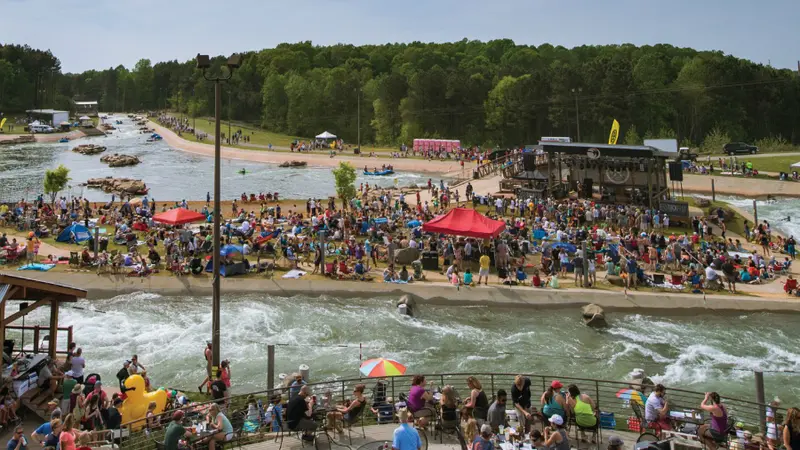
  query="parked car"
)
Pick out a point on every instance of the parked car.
point(739, 147)
point(685, 154)
point(41, 129)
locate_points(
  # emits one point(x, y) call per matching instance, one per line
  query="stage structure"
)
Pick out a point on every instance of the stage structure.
point(609, 173)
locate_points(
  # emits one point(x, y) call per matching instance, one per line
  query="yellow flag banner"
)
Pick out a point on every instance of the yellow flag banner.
point(612, 138)
point(3, 122)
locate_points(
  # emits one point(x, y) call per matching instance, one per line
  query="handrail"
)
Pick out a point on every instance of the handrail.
point(492, 376)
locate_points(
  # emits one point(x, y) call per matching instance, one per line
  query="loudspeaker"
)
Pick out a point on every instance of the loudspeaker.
point(529, 162)
point(430, 261)
point(676, 171)
point(587, 187)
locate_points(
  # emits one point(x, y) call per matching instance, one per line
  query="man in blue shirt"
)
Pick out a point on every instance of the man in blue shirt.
point(631, 265)
point(17, 441)
point(405, 436)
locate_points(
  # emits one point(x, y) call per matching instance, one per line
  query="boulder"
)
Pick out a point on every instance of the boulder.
point(117, 160)
point(702, 202)
point(406, 305)
point(118, 185)
point(615, 280)
point(89, 149)
point(594, 316)
point(406, 256)
point(293, 164)
point(24, 139)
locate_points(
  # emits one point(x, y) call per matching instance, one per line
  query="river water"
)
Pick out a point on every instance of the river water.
point(171, 174)
point(702, 352)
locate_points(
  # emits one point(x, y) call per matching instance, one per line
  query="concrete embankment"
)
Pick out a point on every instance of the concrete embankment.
point(644, 300)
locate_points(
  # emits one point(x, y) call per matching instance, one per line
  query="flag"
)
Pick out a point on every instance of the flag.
point(3, 122)
point(612, 138)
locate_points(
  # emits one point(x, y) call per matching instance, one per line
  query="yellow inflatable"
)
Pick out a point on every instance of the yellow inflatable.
point(135, 405)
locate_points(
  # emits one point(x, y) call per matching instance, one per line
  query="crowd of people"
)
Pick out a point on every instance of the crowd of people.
point(181, 126)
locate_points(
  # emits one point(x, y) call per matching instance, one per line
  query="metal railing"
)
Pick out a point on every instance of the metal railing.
point(603, 392)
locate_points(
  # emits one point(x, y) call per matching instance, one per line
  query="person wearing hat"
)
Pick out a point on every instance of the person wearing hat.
point(615, 443)
point(123, 375)
point(552, 401)
point(555, 437)
point(406, 437)
point(175, 431)
point(49, 376)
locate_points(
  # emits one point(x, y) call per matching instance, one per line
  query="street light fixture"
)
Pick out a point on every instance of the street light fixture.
point(204, 63)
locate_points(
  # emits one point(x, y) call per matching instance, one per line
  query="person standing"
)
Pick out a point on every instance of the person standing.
point(791, 430)
point(218, 388)
point(207, 354)
point(78, 363)
point(521, 398)
point(483, 272)
point(18, 440)
point(406, 437)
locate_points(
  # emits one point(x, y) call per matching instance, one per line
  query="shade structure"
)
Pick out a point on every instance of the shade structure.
point(84, 118)
point(179, 216)
point(326, 135)
point(380, 367)
point(465, 222)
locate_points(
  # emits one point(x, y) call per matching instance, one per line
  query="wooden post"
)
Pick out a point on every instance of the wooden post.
point(713, 191)
point(762, 411)
point(270, 368)
point(755, 215)
point(36, 339)
point(69, 336)
point(53, 328)
point(549, 174)
point(3, 319)
point(650, 184)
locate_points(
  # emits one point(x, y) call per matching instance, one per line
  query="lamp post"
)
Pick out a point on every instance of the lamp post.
point(204, 63)
point(577, 111)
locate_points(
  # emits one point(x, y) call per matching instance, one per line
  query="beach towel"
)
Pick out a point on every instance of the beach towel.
point(37, 266)
point(396, 282)
point(294, 274)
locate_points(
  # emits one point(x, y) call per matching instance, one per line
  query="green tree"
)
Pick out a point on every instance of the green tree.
point(345, 178)
point(55, 181)
point(632, 137)
point(715, 141)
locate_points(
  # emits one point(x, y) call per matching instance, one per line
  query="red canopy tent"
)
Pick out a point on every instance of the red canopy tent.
point(465, 222)
point(178, 216)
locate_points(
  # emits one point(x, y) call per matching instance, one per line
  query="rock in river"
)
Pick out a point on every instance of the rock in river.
point(117, 160)
point(89, 149)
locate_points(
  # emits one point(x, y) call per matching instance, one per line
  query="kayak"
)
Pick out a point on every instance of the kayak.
point(242, 171)
point(382, 172)
point(62, 140)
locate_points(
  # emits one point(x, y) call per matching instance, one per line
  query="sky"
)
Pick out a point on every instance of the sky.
point(106, 33)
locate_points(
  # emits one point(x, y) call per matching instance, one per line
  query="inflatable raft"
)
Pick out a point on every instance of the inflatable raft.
point(379, 173)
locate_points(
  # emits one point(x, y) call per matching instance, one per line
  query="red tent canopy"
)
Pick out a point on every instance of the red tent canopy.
point(178, 216)
point(465, 222)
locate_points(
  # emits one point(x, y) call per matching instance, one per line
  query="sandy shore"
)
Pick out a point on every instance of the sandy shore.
point(104, 286)
point(742, 187)
point(51, 137)
point(451, 168)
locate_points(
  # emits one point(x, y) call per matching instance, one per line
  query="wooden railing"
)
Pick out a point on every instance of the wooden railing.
point(37, 330)
point(493, 167)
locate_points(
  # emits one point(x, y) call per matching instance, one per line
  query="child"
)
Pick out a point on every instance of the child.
point(537, 440)
point(83, 442)
point(274, 413)
point(468, 278)
point(471, 430)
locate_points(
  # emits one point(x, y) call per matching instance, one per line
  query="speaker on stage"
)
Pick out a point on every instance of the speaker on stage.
point(529, 161)
point(676, 171)
point(587, 187)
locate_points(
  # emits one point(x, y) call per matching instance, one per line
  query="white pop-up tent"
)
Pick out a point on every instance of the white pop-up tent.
point(326, 135)
point(797, 164)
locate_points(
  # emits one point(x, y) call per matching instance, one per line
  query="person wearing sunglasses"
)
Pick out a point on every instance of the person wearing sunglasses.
point(17, 441)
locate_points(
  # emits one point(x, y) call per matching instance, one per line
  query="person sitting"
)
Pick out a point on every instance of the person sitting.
point(299, 412)
point(86, 258)
point(154, 257)
point(536, 280)
point(468, 280)
point(404, 276)
point(218, 421)
point(583, 408)
point(389, 275)
point(496, 416)
point(521, 275)
point(350, 413)
point(656, 410)
point(418, 399)
point(552, 401)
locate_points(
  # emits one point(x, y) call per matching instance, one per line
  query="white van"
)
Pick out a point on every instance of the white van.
point(41, 128)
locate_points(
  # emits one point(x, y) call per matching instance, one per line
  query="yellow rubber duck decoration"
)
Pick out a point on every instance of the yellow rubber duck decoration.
point(135, 405)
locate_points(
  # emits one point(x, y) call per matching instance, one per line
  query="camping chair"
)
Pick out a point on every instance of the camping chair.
point(356, 415)
point(595, 430)
point(790, 286)
point(74, 259)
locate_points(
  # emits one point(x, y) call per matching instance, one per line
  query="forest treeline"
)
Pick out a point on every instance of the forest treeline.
point(489, 93)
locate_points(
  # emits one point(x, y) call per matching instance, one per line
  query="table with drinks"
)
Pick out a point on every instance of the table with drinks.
point(201, 432)
point(508, 438)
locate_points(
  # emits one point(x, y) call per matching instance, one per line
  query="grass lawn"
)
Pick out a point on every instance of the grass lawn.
point(12, 118)
point(775, 164)
point(261, 137)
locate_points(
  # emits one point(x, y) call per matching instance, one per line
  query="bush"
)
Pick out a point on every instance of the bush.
point(774, 144)
point(715, 141)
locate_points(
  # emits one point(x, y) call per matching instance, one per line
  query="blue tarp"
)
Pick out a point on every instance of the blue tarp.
point(380, 220)
point(413, 223)
point(539, 234)
point(565, 245)
point(75, 232)
point(230, 249)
